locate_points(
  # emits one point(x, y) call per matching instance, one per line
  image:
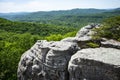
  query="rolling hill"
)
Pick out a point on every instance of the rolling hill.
point(68, 18)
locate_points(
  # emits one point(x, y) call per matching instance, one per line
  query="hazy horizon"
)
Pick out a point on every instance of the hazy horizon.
point(55, 10)
point(13, 6)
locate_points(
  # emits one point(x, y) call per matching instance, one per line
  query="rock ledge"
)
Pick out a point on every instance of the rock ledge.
point(72, 59)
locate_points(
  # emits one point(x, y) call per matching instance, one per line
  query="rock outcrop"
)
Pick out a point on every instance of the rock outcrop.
point(95, 64)
point(72, 59)
point(46, 61)
point(85, 33)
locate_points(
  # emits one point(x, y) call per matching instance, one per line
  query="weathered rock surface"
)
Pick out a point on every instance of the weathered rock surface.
point(32, 61)
point(46, 61)
point(95, 64)
point(58, 60)
point(85, 33)
point(70, 39)
point(110, 43)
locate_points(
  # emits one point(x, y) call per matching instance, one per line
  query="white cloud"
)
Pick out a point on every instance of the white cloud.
point(6, 6)
point(34, 5)
point(30, 6)
point(46, 5)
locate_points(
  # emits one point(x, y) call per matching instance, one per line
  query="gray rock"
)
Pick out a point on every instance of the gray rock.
point(70, 39)
point(32, 62)
point(57, 59)
point(46, 61)
point(95, 64)
point(110, 43)
point(85, 33)
point(84, 36)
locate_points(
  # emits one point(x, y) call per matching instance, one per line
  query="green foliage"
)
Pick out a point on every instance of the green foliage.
point(73, 18)
point(68, 18)
point(110, 29)
point(12, 45)
point(55, 37)
point(17, 37)
point(58, 37)
point(33, 28)
point(92, 45)
point(70, 34)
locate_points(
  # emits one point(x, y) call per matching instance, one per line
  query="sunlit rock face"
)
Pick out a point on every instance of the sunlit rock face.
point(46, 61)
point(72, 59)
point(95, 64)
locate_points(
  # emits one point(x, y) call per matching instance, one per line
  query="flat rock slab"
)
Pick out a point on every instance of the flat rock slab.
point(95, 64)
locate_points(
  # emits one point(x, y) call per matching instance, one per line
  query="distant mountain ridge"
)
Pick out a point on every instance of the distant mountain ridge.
point(75, 11)
point(70, 18)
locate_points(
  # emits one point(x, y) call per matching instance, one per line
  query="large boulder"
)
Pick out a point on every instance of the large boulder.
point(58, 58)
point(85, 33)
point(95, 64)
point(46, 61)
point(84, 36)
point(32, 62)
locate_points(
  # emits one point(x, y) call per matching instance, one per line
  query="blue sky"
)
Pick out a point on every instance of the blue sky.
point(48, 5)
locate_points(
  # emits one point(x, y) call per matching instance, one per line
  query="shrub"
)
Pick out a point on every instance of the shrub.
point(110, 29)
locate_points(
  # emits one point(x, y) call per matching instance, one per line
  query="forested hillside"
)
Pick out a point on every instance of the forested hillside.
point(68, 18)
point(33, 28)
